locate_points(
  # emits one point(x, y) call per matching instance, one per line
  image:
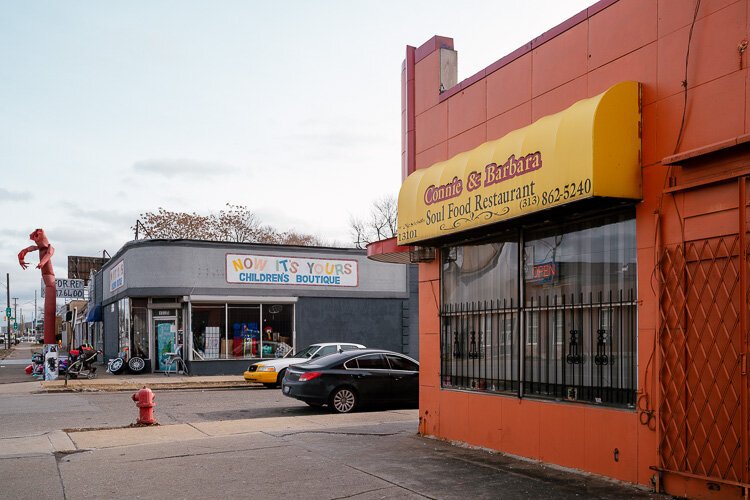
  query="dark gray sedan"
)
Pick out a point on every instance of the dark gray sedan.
point(349, 380)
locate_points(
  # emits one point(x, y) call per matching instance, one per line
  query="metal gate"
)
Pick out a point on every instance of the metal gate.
point(702, 345)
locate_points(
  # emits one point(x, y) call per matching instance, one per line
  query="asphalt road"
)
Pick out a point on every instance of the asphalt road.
point(25, 412)
point(13, 362)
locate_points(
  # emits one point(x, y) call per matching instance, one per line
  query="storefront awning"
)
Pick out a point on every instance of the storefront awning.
point(591, 149)
point(95, 314)
point(388, 251)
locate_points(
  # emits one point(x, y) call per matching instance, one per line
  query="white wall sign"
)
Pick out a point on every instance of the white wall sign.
point(274, 270)
point(68, 288)
point(117, 276)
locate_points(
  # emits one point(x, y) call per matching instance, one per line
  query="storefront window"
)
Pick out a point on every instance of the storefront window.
point(470, 272)
point(140, 328)
point(209, 329)
point(278, 328)
point(560, 316)
point(244, 339)
point(253, 331)
point(123, 324)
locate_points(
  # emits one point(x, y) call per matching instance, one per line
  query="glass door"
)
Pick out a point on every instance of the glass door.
point(166, 338)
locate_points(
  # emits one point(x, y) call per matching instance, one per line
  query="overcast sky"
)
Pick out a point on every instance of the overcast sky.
point(112, 109)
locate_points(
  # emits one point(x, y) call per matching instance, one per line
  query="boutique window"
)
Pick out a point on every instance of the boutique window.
point(209, 329)
point(123, 325)
point(139, 325)
point(547, 311)
point(242, 331)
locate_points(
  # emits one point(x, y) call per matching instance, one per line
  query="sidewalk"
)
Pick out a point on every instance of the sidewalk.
point(106, 382)
point(319, 456)
point(154, 381)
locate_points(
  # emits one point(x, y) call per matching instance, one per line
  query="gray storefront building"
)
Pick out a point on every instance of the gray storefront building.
point(225, 305)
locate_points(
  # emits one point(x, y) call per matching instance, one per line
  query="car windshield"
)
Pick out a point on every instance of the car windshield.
point(306, 352)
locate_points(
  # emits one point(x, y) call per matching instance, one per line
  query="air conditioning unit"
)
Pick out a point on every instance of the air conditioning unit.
point(419, 254)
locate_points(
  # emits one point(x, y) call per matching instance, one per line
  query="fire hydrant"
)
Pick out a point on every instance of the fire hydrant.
point(144, 400)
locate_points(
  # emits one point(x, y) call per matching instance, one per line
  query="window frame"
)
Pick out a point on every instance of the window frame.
point(528, 319)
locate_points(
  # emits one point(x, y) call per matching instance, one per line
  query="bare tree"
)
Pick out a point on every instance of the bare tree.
point(292, 237)
point(235, 223)
point(175, 225)
point(380, 224)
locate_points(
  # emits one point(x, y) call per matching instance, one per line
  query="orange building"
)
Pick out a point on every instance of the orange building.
point(579, 212)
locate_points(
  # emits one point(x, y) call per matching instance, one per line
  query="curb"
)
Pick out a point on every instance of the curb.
point(134, 386)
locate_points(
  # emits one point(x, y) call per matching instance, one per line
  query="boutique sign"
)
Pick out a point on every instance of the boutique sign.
point(274, 270)
point(589, 150)
point(117, 276)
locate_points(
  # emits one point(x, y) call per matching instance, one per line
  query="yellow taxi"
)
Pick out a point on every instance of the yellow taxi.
point(271, 372)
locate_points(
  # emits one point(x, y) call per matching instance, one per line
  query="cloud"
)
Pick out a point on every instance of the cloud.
point(6, 195)
point(181, 167)
point(112, 218)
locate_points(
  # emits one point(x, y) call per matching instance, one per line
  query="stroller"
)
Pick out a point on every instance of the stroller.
point(81, 363)
point(36, 367)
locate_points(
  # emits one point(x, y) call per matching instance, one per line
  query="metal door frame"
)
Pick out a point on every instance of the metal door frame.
point(681, 275)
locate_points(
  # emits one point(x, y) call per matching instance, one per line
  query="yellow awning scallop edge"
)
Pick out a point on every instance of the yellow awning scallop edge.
point(591, 149)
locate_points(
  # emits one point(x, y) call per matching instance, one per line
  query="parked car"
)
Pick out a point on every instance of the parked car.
point(13, 339)
point(271, 372)
point(348, 380)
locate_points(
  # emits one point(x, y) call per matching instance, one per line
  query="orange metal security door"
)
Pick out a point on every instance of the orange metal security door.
point(702, 345)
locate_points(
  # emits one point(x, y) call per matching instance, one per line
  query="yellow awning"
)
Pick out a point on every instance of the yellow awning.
point(591, 149)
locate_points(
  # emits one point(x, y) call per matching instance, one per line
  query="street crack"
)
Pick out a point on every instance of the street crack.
point(201, 454)
point(361, 493)
point(377, 434)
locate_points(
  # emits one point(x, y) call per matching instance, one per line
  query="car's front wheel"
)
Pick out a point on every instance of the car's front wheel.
point(280, 377)
point(343, 400)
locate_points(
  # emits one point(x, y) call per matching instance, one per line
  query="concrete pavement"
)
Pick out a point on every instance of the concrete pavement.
point(365, 455)
point(113, 438)
point(111, 382)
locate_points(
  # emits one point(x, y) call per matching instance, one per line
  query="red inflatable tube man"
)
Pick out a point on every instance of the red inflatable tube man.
point(46, 251)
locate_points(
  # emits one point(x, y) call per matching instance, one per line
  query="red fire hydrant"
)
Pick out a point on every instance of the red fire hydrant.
point(144, 400)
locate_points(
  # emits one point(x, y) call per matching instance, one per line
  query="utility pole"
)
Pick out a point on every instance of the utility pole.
point(34, 327)
point(15, 309)
point(7, 310)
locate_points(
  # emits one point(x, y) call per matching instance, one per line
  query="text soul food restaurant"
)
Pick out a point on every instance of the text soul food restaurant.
point(579, 210)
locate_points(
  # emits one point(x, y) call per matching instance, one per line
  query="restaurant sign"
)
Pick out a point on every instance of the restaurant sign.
point(591, 149)
point(275, 270)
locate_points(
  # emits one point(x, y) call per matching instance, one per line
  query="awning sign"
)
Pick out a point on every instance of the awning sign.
point(281, 271)
point(591, 149)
